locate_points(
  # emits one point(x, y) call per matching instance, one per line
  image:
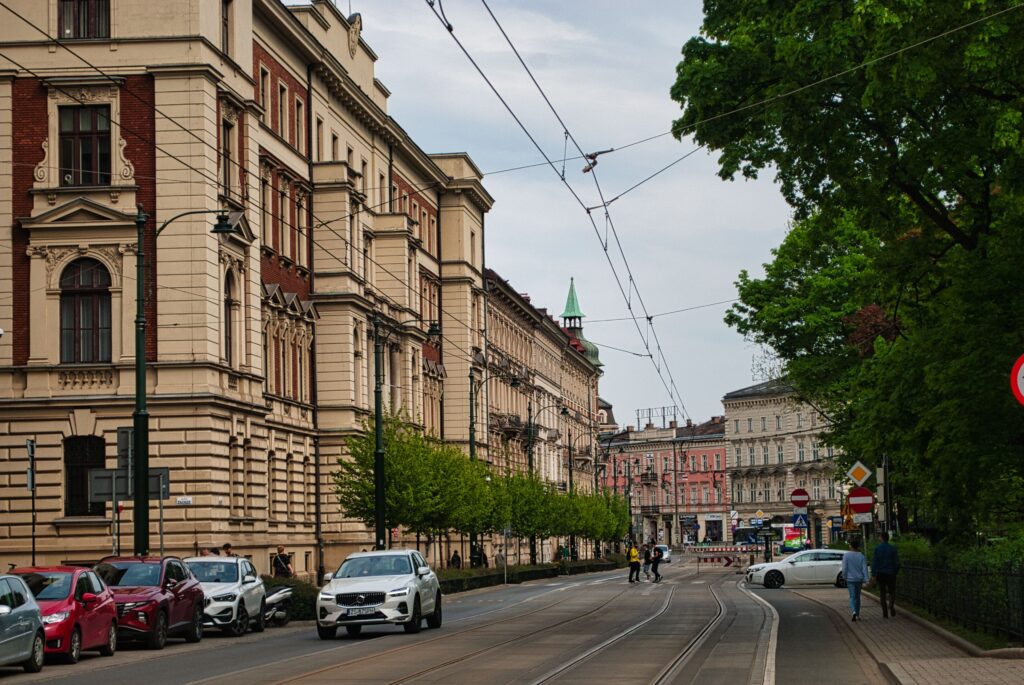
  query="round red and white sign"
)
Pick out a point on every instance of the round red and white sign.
point(799, 497)
point(861, 500)
point(1017, 379)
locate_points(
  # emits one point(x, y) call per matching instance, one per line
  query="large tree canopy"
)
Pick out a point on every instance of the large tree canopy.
point(896, 301)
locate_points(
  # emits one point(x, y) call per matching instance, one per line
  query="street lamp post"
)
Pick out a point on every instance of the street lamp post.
point(530, 428)
point(379, 505)
point(226, 222)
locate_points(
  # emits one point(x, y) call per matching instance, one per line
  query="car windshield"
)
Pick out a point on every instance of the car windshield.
point(129, 573)
point(214, 571)
point(361, 567)
point(49, 584)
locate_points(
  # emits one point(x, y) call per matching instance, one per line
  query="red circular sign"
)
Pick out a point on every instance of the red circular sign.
point(861, 500)
point(799, 497)
point(1017, 379)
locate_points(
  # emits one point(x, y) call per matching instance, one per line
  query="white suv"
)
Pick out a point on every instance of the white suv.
point(374, 588)
point(234, 594)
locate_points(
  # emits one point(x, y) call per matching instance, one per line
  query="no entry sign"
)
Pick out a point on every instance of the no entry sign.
point(1017, 379)
point(861, 500)
point(799, 497)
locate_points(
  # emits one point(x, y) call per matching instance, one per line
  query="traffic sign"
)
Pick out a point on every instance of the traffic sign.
point(759, 514)
point(756, 522)
point(800, 510)
point(863, 518)
point(859, 473)
point(861, 500)
point(800, 521)
point(799, 498)
point(1017, 379)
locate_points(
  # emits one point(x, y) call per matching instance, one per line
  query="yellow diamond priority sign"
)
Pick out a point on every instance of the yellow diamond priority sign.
point(759, 514)
point(859, 473)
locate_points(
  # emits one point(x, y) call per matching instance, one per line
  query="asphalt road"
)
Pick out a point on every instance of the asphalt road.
point(705, 629)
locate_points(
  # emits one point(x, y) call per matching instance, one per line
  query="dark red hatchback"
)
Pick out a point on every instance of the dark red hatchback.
point(77, 609)
point(156, 597)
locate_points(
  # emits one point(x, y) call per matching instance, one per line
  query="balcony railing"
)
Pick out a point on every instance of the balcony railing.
point(650, 509)
point(649, 477)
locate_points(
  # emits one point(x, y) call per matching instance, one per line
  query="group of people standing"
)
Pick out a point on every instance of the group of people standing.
point(280, 563)
point(885, 564)
point(651, 555)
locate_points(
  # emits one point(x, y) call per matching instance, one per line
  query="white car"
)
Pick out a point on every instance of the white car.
point(381, 587)
point(809, 566)
point(234, 594)
point(666, 553)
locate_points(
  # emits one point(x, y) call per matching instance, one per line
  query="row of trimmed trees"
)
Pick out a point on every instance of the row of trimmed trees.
point(431, 487)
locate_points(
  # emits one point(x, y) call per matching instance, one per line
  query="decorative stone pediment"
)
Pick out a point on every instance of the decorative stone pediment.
point(79, 213)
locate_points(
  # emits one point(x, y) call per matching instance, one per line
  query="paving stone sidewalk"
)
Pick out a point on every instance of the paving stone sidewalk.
point(909, 653)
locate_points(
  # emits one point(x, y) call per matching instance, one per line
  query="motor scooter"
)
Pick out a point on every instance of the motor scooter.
point(277, 609)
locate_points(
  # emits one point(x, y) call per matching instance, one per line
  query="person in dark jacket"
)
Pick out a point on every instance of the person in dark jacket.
point(885, 564)
point(656, 557)
point(647, 561)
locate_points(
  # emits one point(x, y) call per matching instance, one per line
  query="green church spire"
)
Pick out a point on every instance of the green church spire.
point(572, 305)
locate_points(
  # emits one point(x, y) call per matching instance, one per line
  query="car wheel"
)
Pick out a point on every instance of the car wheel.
point(353, 631)
point(328, 632)
point(434, 620)
point(158, 638)
point(840, 581)
point(110, 646)
point(240, 625)
point(195, 630)
point(413, 625)
point(34, 664)
point(773, 580)
point(260, 624)
point(74, 652)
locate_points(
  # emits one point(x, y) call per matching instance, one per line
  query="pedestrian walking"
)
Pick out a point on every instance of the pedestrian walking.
point(456, 561)
point(647, 561)
point(634, 563)
point(885, 564)
point(656, 558)
point(855, 573)
point(228, 550)
point(282, 564)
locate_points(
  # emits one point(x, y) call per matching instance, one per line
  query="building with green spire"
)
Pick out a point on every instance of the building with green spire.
point(572, 321)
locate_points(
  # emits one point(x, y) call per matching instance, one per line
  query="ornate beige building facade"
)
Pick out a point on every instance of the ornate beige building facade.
point(775, 446)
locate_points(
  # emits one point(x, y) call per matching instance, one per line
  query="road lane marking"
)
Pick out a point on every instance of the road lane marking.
point(773, 641)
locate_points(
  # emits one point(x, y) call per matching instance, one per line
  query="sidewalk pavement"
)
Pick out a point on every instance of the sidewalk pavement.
point(910, 654)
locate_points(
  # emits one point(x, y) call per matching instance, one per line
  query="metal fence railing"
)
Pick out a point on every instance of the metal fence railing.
point(991, 601)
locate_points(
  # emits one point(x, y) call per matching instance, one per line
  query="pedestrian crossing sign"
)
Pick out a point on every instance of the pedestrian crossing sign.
point(800, 521)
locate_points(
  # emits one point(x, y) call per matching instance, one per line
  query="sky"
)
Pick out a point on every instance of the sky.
point(607, 68)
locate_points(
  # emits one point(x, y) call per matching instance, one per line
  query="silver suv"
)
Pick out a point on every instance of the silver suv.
point(22, 640)
point(375, 588)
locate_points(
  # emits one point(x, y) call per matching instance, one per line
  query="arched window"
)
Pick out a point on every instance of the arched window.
point(85, 312)
point(229, 303)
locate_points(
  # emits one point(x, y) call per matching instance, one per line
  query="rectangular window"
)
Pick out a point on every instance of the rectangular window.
point(704, 462)
point(364, 178)
point(780, 454)
point(225, 26)
point(831, 489)
point(764, 423)
point(693, 463)
point(778, 422)
point(381, 190)
point(799, 420)
point(282, 110)
point(334, 147)
point(85, 145)
point(350, 157)
point(736, 426)
point(84, 19)
point(264, 212)
point(764, 454)
point(718, 462)
point(319, 139)
point(816, 489)
point(264, 93)
point(750, 425)
point(226, 132)
point(750, 455)
point(800, 451)
point(300, 127)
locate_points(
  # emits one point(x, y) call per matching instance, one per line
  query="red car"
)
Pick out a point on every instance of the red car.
point(77, 608)
point(156, 597)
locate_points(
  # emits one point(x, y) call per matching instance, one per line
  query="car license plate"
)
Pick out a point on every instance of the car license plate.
point(362, 611)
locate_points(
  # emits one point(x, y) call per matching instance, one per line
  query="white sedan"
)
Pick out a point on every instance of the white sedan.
point(381, 587)
point(234, 594)
point(807, 567)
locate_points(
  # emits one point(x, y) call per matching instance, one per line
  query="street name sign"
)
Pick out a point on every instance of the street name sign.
point(1017, 379)
point(861, 500)
point(183, 501)
point(862, 518)
point(859, 473)
point(799, 498)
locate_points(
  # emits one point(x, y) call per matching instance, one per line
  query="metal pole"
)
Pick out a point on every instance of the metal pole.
point(572, 537)
point(160, 498)
point(378, 429)
point(30, 446)
point(629, 497)
point(529, 463)
point(473, 555)
point(675, 497)
point(115, 524)
point(140, 418)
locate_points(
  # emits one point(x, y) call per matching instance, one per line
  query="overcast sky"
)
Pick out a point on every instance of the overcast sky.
point(607, 67)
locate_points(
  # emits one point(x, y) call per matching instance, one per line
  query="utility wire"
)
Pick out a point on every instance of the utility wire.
point(674, 311)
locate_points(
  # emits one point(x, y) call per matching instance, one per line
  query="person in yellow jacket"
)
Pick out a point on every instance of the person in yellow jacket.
point(634, 563)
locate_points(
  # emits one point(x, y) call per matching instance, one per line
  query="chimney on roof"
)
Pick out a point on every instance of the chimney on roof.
point(673, 424)
point(649, 426)
point(689, 423)
point(630, 429)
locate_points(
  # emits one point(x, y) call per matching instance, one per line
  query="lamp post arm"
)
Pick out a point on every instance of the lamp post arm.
point(189, 213)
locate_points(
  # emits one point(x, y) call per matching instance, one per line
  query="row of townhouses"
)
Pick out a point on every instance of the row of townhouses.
point(258, 341)
point(703, 482)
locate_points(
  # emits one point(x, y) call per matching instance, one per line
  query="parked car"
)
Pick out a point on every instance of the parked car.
point(235, 596)
point(810, 566)
point(156, 597)
point(78, 610)
point(381, 587)
point(666, 553)
point(22, 639)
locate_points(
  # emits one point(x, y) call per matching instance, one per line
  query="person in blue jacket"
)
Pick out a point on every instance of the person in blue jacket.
point(855, 573)
point(885, 564)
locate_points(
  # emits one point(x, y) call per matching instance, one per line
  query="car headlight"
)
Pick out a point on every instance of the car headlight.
point(137, 605)
point(400, 592)
point(755, 569)
point(56, 618)
point(229, 597)
point(326, 596)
